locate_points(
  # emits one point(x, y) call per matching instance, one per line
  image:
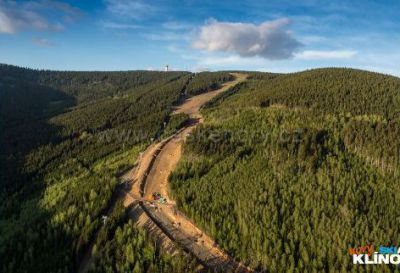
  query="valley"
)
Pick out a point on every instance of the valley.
point(197, 172)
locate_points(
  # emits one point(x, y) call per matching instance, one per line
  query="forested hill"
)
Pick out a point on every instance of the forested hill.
point(28, 93)
point(291, 170)
point(333, 90)
point(287, 172)
point(65, 138)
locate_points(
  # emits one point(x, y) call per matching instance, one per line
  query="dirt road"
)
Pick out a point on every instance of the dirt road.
point(151, 175)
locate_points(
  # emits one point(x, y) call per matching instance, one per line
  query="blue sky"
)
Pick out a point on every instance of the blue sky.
point(277, 36)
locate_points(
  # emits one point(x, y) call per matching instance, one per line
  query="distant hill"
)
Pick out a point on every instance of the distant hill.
point(333, 90)
point(28, 93)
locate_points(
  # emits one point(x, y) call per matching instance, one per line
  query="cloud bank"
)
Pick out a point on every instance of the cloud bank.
point(326, 55)
point(13, 19)
point(269, 40)
point(18, 16)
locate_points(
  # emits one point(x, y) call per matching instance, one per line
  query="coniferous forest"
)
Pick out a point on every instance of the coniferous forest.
point(290, 171)
point(286, 173)
point(65, 138)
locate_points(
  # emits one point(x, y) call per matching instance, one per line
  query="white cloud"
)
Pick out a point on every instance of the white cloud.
point(172, 31)
point(222, 60)
point(167, 36)
point(231, 60)
point(18, 16)
point(13, 19)
point(326, 54)
point(269, 40)
point(129, 9)
point(6, 23)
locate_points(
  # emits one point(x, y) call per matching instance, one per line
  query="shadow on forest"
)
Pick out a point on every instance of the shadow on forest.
point(26, 127)
point(28, 241)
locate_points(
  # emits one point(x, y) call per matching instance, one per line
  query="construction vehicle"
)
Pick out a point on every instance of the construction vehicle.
point(157, 197)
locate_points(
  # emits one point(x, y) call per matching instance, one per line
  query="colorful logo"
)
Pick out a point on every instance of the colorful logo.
point(368, 255)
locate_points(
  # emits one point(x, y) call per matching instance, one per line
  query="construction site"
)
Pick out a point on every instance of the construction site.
point(151, 206)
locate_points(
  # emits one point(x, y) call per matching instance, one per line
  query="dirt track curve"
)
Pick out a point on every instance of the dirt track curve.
point(151, 175)
point(165, 221)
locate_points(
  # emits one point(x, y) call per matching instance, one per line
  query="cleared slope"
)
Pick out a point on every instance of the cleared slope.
point(180, 228)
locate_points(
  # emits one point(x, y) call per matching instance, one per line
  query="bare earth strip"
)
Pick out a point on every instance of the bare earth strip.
point(172, 228)
point(168, 224)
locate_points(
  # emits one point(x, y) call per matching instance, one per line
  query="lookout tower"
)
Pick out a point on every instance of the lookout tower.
point(166, 68)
